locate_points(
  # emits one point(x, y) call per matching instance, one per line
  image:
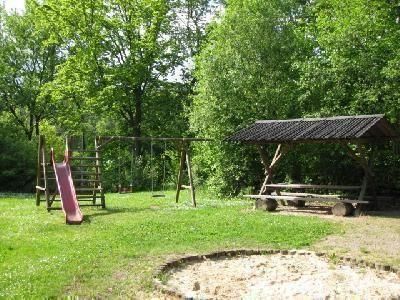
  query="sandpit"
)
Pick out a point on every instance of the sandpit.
point(280, 276)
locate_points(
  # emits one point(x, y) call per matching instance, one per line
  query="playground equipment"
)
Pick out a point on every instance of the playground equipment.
point(183, 146)
point(85, 171)
point(66, 188)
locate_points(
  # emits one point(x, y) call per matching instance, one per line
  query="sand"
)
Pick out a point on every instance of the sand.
point(277, 276)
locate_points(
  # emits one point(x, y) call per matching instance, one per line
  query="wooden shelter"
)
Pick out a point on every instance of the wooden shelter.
point(352, 132)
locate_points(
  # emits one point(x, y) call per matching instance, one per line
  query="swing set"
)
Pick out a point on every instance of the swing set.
point(183, 146)
point(129, 189)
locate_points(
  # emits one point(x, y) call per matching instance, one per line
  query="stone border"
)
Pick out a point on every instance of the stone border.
point(179, 261)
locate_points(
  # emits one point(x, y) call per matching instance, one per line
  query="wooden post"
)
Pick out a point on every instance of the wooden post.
point(363, 187)
point(98, 176)
point(364, 163)
point(185, 157)
point(180, 172)
point(189, 169)
point(362, 160)
point(269, 168)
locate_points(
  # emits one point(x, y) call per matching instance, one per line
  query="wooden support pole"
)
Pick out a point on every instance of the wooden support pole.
point(363, 188)
point(280, 150)
point(182, 151)
point(98, 177)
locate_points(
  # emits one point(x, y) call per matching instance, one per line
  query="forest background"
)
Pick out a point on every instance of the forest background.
point(201, 68)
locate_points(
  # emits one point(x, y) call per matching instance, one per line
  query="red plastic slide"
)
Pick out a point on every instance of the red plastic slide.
point(66, 188)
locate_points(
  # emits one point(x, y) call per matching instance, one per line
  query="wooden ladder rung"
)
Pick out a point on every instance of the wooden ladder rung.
point(88, 189)
point(84, 166)
point(85, 173)
point(85, 180)
point(83, 197)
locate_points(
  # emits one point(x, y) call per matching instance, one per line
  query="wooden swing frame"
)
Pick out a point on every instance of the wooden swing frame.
point(183, 145)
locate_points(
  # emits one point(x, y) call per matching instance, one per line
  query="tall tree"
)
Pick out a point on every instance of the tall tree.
point(120, 53)
point(244, 73)
point(26, 65)
point(353, 68)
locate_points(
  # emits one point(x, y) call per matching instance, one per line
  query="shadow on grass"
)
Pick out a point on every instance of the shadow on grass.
point(323, 210)
point(316, 210)
point(386, 213)
point(111, 211)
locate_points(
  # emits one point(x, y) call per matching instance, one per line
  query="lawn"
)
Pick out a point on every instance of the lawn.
point(114, 252)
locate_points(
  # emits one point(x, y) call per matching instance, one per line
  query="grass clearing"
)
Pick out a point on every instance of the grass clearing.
point(114, 252)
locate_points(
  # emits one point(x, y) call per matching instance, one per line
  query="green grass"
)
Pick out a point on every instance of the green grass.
point(114, 252)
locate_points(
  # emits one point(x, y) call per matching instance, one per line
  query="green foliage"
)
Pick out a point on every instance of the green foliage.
point(284, 59)
point(26, 64)
point(17, 159)
point(114, 252)
point(355, 54)
point(244, 73)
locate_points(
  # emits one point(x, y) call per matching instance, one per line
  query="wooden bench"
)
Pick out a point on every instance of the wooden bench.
point(343, 206)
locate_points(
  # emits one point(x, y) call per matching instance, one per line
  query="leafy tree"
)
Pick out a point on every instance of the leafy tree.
point(244, 73)
point(26, 65)
point(120, 53)
point(353, 68)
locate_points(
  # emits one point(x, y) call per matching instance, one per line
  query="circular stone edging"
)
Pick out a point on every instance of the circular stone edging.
point(176, 262)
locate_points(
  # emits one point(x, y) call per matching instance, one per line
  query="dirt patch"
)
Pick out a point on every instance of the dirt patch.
point(280, 277)
point(372, 238)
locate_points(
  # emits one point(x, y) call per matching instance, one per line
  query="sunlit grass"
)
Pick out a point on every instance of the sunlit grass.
point(114, 251)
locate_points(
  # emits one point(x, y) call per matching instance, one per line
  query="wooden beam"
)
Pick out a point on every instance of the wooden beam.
point(309, 195)
point(363, 187)
point(312, 186)
point(185, 158)
point(109, 139)
point(280, 150)
point(294, 198)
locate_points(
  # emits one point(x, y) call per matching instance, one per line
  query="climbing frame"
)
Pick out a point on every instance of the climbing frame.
point(86, 165)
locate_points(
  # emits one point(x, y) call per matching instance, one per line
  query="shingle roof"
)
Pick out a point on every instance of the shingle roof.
point(316, 129)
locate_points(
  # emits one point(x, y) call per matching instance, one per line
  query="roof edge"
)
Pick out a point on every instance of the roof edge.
point(322, 118)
